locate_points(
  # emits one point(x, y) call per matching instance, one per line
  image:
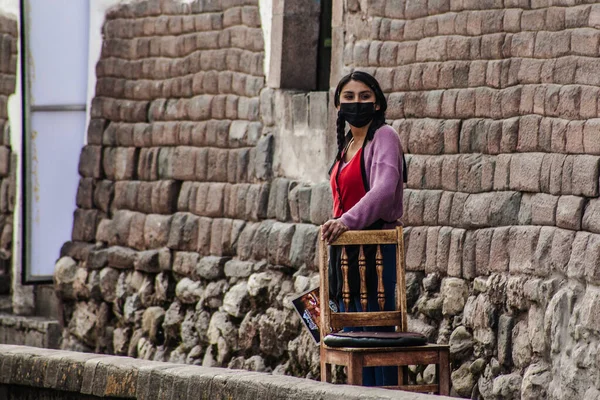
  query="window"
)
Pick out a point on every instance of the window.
point(324, 50)
point(54, 56)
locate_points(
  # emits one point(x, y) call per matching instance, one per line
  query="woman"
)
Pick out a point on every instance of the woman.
point(367, 186)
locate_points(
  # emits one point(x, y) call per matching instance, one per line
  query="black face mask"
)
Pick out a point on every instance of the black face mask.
point(357, 114)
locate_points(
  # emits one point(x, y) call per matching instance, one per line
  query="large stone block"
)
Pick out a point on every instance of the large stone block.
point(455, 254)
point(416, 249)
point(426, 137)
point(257, 200)
point(260, 245)
point(483, 239)
point(321, 203)
point(585, 175)
point(591, 216)
point(525, 170)
point(246, 241)
point(279, 243)
point(592, 260)
point(164, 196)
point(591, 137)
point(84, 225)
point(90, 162)
point(522, 245)
point(569, 212)
point(543, 209)
point(499, 250)
point(304, 245)
point(577, 263)
point(183, 232)
point(156, 230)
point(220, 237)
point(431, 250)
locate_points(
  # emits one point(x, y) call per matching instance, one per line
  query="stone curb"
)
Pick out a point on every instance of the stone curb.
point(129, 378)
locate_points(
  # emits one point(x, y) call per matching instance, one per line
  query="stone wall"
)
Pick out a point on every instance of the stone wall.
point(191, 235)
point(8, 69)
point(185, 248)
point(496, 103)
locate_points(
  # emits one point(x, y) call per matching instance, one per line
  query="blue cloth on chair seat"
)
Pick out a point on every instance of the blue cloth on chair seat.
point(374, 339)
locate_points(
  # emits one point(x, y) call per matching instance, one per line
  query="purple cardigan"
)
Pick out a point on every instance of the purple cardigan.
point(383, 165)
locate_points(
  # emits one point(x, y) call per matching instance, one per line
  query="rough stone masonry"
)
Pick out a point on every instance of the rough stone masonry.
point(187, 248)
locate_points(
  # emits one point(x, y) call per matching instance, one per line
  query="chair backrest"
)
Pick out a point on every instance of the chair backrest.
point(338, 320)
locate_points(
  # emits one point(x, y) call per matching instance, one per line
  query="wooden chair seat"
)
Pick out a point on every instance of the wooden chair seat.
point(358, 349)
point(374, 339)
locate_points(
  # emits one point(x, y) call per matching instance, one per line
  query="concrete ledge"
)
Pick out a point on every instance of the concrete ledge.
point(129, 378)
point(29, 331)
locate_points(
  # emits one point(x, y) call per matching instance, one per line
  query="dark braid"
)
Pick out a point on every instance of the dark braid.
point(341, 135)
point(342, 139)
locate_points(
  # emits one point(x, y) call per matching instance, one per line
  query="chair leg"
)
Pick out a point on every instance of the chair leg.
point(355, 369)
point(444, 373)
point(325, 372)
point(401, 375)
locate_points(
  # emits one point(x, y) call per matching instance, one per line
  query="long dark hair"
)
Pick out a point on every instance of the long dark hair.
point(378, 119)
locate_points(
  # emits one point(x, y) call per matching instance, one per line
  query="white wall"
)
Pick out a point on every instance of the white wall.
point(266, 20)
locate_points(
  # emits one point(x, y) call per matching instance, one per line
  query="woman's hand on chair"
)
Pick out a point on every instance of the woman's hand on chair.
point(332, 229)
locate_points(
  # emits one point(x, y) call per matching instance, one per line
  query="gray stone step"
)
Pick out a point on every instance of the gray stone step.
point(29, 331)
point(5, 304)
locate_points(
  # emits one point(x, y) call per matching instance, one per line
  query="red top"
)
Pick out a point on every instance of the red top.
point(347, 185)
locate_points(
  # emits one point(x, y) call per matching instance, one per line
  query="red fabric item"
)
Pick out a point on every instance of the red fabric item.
point(347, 185)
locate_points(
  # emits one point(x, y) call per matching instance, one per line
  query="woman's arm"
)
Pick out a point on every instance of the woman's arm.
point(385, 176)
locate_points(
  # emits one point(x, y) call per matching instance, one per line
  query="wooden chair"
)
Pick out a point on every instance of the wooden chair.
point(355, 358)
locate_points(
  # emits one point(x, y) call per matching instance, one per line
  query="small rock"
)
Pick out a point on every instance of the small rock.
point(521, 349)
point(505, 327)
point(172, 322)
point(220, 326)
point(178, 355)
point(164, 287)
point(429, 375)
point(455, 293)
point(477, 366)
point(301, 283)
point(413, 287)
point(238, 269)
point(211, 267)
point(431, 306)
point(255, 363)
point(480, 285)
point(152, 321)
point(508, 387)
point(461, 343)
point(236, 363)
point(189, 291)
point(431, 282)
point(202, 322)
point(267, 281)
point(146, 291)
point(213, 294)
point(132, 305)
point(536, 381)
point(235, 302)
point(247, 333)
point(65, 272)
point(276, 328)
point(463, 380)
point(108, 283)
point(189, 338)
point(194, 357)
point(121, 340)
point(418, 326)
